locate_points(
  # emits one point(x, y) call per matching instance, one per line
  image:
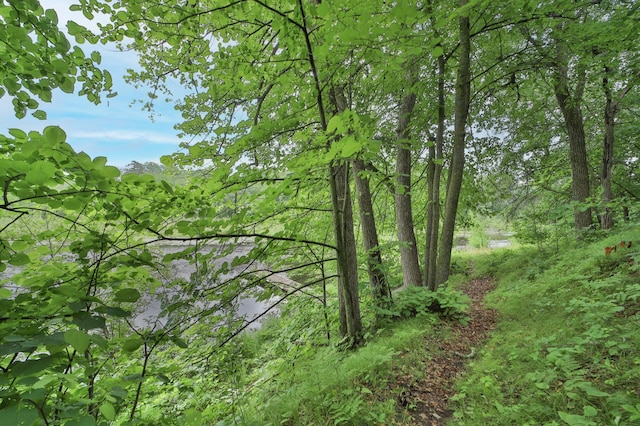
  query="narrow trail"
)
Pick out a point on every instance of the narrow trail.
point(428, 399)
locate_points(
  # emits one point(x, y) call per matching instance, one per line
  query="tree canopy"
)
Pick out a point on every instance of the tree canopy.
point(328, 141)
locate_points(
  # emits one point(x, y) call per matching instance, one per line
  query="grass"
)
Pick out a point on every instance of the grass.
point(566, 349)
point(323, 385)
point(327, 386)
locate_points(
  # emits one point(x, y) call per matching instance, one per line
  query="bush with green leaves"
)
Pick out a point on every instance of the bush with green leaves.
point(421, 301)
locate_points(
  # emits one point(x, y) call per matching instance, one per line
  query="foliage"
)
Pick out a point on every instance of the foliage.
point(420, 301)
point(307, 384)
point(39, 59)
point(578, 361)
point(280, 97)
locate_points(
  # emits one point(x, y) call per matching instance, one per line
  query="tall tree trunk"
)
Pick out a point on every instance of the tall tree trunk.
point(610, 111)
point(462, 99)
point(380, 290)
point(606, 220)
point(350, 322)
point(404, 217)
point(347, 262)
point(379, 287)
point(574, 123)
point(434, 170)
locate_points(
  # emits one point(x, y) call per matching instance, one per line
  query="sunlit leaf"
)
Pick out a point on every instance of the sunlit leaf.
point(79, 340)
point(54, 134)
point(108, 411)
point(39, 114)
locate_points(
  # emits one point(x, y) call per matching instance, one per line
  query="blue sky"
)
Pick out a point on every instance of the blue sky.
point(115, 129)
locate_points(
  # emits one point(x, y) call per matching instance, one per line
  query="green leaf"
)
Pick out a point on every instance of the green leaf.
point(54, 134)
point(66, 84)
point(591, 390)
point(574, 419)
point(127, 295)
point(19, 415)
point(100, 341)
point(40, 172)
point(179, 342)
point(39, 114)
point(110, 172)
point(167, 187)
point(132, 344)
point(11, 84)
point(86, 321)
point(108, 411)
point(350, 146)
point(42, 383)
point(85, 420)
point(167, 161)
point(74, 203)
point(18, 134)
point(74, 29)
point(95, 57)
point(589, 411)
point(78, 339)
point(31, 366)
point(335, 125)
point(114, 311)
point(19, 259)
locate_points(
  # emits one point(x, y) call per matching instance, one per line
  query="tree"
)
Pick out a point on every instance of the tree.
point(569, 100)
point(433, 182)
point(454, 182)
point(40, 59)
point(403, 206)
point(275, 68)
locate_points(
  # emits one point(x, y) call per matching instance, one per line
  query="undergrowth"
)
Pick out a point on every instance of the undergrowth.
point(324, 385)
point(565, 351)
point(567, 348)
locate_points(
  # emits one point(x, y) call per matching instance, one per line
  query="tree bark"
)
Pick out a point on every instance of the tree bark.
point(380, 290)
point(574, 123)
point(454, 184)
point(606, 219)
point(347, 262)
point(404, 218)
point(434, 170)
point(350, 322)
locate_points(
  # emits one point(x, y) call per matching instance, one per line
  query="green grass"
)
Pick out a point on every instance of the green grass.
point(311, 385)
point(566, 350)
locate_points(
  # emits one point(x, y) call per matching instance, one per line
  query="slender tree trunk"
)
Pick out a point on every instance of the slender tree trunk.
point(462, 99)
point(610, 111)
point(347, 263)
point(380, 290)
point(404, 217)
point(574, 123)
point(434, 170)
point(350, 323)
point(606, 220)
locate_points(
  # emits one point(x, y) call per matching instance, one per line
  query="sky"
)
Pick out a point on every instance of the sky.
point(115, 129)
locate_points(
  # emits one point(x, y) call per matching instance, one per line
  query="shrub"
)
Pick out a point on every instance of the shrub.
point(419, 301)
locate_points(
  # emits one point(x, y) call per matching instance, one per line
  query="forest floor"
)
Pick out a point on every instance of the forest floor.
point(427, 399)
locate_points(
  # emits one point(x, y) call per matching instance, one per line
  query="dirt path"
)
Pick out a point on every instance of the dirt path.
point(428, 399)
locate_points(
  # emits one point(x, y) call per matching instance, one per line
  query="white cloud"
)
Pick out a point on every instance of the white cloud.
point(114, 129)
point(127, 135)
